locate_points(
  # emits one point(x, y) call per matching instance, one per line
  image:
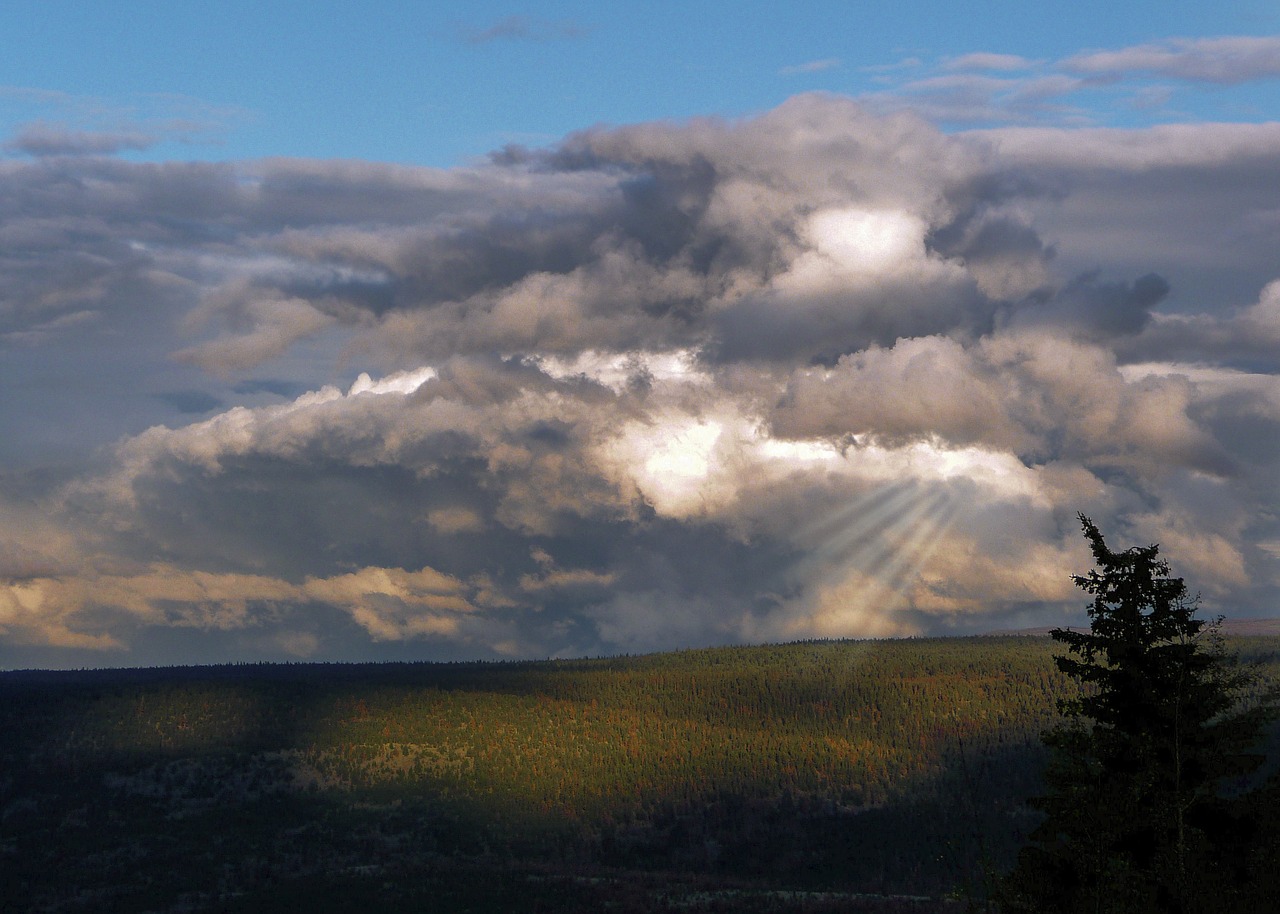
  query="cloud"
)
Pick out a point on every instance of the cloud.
point(989, 61)
point(1121, 200)
point(1248, 335)
point(815, 372)
point(1040, 398)
point(1087, 308)
point(390, 604)
point(987, 89)
point(524, 28)
point(263, 325)
point(1227, 60)
point(1135, 150)
point(40, 333)
point(191, 401)
point(812, 66)
point(44, 139)
point(970, 94)
point(67, 125)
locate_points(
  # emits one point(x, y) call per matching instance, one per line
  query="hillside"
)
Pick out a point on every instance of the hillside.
point(892, 768)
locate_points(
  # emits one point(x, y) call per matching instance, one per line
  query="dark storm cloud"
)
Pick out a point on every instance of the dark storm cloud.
point(822, 328)
point(1088, 308)
point(192, 402)
point(1246, 338)
point(279, 387)
point(1196, 204)
point(816, 372)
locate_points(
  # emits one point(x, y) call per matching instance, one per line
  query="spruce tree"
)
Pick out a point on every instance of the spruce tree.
point(1135, 815)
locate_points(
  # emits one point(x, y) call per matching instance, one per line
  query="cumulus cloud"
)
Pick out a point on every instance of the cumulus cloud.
point(817, 372)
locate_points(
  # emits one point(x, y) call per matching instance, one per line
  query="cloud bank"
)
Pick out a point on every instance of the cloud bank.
point(822, 372)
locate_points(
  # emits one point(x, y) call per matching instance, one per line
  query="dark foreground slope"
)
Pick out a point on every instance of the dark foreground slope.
point(804, 777)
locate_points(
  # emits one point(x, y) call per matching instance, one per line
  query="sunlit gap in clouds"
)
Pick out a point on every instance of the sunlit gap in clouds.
point(876, 543)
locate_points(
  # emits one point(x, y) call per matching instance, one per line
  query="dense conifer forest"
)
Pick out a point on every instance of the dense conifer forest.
point(875, 776)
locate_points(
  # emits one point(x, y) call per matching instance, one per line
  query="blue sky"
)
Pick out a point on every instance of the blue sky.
point(437, 83)
point(434, 331)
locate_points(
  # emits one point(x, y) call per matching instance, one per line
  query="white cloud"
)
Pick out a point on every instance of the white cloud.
point(1226, 60)
point(812, 66)
point(1081, 90)
point(389, 603)
point(989, 61)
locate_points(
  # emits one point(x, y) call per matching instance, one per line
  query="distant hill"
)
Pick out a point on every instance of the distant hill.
point(806, 777)
point(1251, 627)
point(1242, 628)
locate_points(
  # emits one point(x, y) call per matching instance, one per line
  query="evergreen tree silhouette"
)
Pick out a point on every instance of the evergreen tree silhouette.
point(1136, 817)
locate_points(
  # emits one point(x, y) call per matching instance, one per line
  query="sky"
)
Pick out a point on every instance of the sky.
point(337, 331)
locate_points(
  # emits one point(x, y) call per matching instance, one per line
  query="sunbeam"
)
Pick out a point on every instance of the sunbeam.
point(865, 538)
point(875, 503)
point(862, 557)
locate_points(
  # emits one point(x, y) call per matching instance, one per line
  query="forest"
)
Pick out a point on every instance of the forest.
point(815, 776)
